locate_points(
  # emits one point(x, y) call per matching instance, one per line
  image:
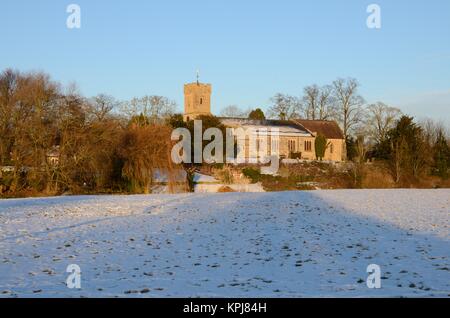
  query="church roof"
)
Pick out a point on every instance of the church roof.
point(285, 127)
point(329, 129)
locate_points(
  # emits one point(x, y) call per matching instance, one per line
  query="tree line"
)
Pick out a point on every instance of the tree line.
point(372, 131)
point(54, 140)
point(339, 101)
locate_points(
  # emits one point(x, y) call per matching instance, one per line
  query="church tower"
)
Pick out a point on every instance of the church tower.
point(197, 100)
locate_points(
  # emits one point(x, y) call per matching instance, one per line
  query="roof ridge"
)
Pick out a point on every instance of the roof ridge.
point(325, 120)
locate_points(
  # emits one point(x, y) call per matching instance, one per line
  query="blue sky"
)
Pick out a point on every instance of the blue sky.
point(248, 49)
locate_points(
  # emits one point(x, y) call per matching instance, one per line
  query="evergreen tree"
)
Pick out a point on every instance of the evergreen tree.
point(350, 144)
point(405, 149)
point(176, 121)
point(441, 158)
point(321, 146)
point(257, 114)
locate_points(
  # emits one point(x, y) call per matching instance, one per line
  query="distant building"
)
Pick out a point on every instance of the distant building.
point(287, 138)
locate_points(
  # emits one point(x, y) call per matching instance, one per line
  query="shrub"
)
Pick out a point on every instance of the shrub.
point(253, 174)
point(144, 149)
point(225, 175)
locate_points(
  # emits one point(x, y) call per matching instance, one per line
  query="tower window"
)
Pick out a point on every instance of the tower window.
point(201, 101)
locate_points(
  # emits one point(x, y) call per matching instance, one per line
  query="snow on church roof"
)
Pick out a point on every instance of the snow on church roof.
point(284, 127)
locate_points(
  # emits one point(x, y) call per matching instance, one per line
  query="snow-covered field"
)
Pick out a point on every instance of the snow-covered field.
point(290, 244)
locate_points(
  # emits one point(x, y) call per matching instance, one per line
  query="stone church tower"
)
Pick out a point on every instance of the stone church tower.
point(197, 100)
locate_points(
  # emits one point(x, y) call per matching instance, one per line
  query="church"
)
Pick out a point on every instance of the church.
point(295, 139)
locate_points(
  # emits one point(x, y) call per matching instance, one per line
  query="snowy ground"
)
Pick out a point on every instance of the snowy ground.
point(288, 244)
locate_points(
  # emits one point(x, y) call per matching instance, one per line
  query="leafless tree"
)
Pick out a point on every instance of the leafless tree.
point(348, 103)
point(56, 140)
point(432, 129)
point(102, 105)
point(358, 168)
point(233, 111)
point(156, 108)
point(399, 153)
point(285, 107)
point(326, 103)
point(311, 101)
point(33, 128)
point(318, 102)
point(8, 85)
point(380, 118)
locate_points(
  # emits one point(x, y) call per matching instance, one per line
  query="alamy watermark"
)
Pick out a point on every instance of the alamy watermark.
point(74, 279)
point(374, 19)
point(374, 278)
point(74, 19)
point(238, 146)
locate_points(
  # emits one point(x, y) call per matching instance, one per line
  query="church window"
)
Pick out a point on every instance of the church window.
point(308, 145)
point(291, 146)
point(275, 147)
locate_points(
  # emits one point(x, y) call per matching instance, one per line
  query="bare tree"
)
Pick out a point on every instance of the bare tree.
point(348, 103)
point(326, 103)
point(285, 107)
point(33, 129)
point(358, 167)
point(432, 129)
point(317, 102)
point(398, 149)
point(156, 108)
point(311, 101)
point(379, 120)
point(102, 105)
point(8, 85)
point(56, 140)
point(233, 111)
